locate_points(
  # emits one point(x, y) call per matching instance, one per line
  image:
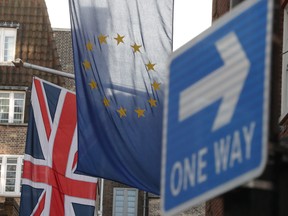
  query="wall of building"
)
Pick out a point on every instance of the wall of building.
point(12, 139)
point(63, 41)
point(35, 45)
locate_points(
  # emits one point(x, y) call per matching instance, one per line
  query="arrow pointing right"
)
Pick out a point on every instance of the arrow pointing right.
point(226, 83)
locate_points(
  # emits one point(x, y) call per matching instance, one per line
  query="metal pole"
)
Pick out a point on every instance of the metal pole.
point(100, 213)
point(145, 204)
point(20, 63)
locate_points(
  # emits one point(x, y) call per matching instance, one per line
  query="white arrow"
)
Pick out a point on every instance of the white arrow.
point(226, 83)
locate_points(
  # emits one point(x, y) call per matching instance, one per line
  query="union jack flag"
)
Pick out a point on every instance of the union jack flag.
point(49, 184)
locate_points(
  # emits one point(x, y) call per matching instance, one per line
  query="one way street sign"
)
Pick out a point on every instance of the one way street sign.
point(191, 99)
point(216, 113)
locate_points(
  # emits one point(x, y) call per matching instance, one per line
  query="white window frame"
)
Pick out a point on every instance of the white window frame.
point(3, 175)
point(12, 99)
point(284, 101)
point(125, 201)
point(7, 32)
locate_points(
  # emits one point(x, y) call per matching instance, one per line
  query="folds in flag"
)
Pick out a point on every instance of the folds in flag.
point(50, 185)
point(120, 56)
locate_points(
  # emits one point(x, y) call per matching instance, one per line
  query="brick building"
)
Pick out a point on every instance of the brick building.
point(25, 32)
point(63, 41)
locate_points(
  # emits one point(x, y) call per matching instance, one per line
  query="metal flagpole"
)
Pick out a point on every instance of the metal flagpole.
point(20, 63)
point(100, 212)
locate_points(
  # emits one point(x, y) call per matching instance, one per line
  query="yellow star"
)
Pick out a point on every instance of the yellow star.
point(152, 102)
point(136, 48)
point(119, 39)
point(140, 112)
point(106, 102)
point(156, 86)
point(122, 112)
point(102, 38)
point(93, 84)
point(150, 66)
point(86, 65)
point(89, 46)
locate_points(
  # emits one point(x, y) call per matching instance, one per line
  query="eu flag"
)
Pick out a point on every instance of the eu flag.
point(120, 56)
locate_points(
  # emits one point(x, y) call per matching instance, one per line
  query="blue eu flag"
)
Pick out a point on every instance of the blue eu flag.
point(120, 56)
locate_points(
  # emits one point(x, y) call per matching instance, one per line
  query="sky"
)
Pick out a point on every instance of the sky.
point(191, 17)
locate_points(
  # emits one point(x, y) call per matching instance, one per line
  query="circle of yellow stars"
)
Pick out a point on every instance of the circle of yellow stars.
point(102, 39)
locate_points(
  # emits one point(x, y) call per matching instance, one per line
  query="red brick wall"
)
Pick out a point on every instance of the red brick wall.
point(12, 139)
point(219, 8)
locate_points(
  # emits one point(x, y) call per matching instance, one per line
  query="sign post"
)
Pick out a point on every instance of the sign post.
point(217, 107)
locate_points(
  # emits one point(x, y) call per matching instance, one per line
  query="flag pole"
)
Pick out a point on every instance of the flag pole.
point(100, 213)
point(19, 63)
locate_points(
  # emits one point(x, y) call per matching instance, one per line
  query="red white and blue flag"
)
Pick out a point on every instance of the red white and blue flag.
point(50, 185)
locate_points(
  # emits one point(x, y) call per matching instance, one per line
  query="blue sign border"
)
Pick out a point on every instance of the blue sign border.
point(252, 173)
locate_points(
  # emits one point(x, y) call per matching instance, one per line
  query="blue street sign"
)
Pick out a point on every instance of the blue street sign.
point(216, 114)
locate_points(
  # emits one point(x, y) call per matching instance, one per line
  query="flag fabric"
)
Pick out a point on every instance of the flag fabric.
point(50, 185)
point(120, 57)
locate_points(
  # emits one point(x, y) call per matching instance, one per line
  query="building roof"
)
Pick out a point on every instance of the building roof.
point(34, 44)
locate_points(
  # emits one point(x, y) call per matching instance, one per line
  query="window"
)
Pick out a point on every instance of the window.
point(284, 109)
point(10, 174)
point(125, 202)
point(7, 45)
point(234, 3)
point(12, 106)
